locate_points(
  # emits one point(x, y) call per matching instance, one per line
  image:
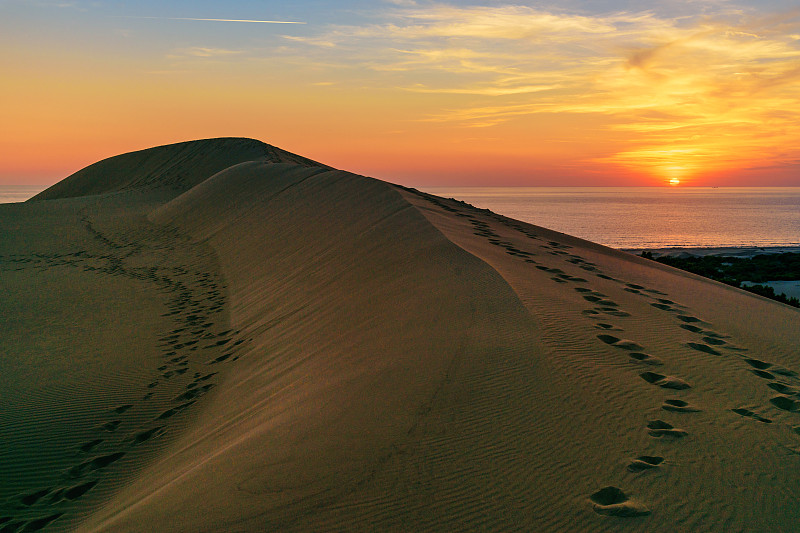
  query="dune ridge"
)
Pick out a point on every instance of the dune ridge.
point(317, 350)
point(177, 167)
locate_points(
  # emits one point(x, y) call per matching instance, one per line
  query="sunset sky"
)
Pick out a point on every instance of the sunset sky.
point(603, 92)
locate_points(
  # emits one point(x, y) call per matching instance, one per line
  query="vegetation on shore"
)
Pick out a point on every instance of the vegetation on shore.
point(735, 270)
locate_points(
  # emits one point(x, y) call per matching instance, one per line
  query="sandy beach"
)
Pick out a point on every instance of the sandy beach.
point(222, 336)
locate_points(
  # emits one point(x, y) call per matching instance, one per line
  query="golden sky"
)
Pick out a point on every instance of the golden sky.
point(419, 93)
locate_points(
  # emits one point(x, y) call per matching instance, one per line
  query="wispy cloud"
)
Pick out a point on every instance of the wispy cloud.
point(215, 20)
point(203, 51)
point(691, 93)
point(484, 91)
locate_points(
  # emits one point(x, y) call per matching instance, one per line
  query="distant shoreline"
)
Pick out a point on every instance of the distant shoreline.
point(726, 251)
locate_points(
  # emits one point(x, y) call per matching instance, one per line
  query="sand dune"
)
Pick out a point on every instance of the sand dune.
point(221, 336)
point(176, 167)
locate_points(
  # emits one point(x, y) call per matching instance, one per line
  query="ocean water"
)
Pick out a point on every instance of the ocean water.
point(18, 193)
point(650, 217)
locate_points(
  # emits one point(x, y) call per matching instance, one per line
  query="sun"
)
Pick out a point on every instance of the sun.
point(674, 181)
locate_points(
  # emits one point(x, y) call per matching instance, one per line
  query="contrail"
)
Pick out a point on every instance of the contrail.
point(217, 20)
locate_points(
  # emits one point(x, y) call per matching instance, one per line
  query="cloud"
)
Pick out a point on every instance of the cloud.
point(202, 51)
point(691, 92)
point(311, 41)
point(214, 20)
point(485, 91)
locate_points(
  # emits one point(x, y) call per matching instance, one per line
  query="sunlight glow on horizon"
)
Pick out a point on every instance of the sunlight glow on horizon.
point(414, 92)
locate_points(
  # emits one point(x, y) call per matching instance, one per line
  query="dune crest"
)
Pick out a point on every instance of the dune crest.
point(317, 350)
point(175, 167)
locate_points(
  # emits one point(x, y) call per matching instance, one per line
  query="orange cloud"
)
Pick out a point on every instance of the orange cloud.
point(692, 96)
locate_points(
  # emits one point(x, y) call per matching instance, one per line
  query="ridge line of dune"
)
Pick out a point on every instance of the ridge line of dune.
point(170, 169)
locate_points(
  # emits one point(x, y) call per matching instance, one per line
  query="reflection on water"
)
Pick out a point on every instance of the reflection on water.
point(650, 217)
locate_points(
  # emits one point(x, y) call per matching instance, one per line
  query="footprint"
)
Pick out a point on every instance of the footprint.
point(607, 327)
point(175, 410)
point(96, 464)
point(741, 411)
point(147, 435)
point(31, 499)
point(782, 388)
point(613, 502)
point(787, 404)
point(634, 286)
point(716, 341)
point(762, 374)
point(645, 462)
point(679, 406)
point(659, 428)
point(666, 382)
point(656, 291)
point(783, 371)
point(10, 527)
point(688, 319)
point(663, 307)
point(194, 393)
point(646, 358)
point(219, 359)
point(90, 445)
point(41, 523)
point(79, 490)
point(111, 426)
point(693, 329)
point(700, 347)
point(620, 343)
point(755, 363)
point(122, 408)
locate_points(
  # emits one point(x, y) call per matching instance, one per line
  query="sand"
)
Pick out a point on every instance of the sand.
point(221, 336)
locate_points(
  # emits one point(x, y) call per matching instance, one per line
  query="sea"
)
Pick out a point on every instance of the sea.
point(638, 218)
point(630, 218)
point(18, 193)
